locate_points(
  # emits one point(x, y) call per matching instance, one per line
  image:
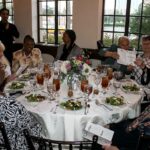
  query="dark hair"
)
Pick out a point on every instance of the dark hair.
point(71, 34)
point(146, 38)
point(28, 38)
point(4, 9)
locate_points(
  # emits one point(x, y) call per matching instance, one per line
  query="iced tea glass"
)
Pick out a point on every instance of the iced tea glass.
point(83, 85)
point(104, 83)
point(40, 78)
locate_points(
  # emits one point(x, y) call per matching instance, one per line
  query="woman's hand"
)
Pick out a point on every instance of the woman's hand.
point(139, 62)
point(113, 55)
point(130, 68)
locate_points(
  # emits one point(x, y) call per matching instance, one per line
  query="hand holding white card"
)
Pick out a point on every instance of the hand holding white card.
point(126, 57)
point(105, 135)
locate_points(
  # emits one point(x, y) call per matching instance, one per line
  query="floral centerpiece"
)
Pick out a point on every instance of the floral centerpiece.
point(78, 66)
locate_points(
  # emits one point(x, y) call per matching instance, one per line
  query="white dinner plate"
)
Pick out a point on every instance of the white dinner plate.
point(130, 84)
point(9, 89)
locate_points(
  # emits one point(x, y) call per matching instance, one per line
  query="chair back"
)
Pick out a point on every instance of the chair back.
point(47, 58)
point(100, 44)
point(47, 144)
point(5, 144)
point(144, 142)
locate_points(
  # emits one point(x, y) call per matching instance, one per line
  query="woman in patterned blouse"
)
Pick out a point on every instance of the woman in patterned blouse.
point(16, 118)
point(28, 55)
point(127, 134)
point(141, 72)
point(4, 62)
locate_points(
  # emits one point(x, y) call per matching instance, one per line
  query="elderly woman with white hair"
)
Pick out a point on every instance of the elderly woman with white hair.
point(4, 62)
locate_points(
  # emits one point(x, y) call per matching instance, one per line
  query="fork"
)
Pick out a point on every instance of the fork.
point(100, 104)
point(55, 109)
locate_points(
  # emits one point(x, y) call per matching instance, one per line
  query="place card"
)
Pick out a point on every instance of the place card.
point(126, 57)
point(21, 69)
point(104, 135)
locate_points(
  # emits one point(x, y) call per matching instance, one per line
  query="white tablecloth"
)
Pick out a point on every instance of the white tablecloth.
point(69, 125)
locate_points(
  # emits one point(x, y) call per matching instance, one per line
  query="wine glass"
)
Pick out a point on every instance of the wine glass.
point(96, 81)
point(50, 89)
point(118, 75)
point(110, 73)
point(116, 85)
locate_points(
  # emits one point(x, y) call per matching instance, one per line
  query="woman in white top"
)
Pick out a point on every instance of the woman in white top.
point(4, 62)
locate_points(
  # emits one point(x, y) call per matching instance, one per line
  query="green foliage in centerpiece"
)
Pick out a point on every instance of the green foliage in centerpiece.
point(78, 66)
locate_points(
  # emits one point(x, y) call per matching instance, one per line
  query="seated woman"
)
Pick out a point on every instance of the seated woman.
point(111, 55)
point(127, 134)
point(16, 118)
point(69, 49)
point(4, 62)
point(142, 70)
point(28, 55)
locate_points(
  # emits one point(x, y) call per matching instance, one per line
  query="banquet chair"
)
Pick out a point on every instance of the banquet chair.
point(47, 58)
point(100, 44)
point(144, 141)
point(47, 144)
point(5, 144)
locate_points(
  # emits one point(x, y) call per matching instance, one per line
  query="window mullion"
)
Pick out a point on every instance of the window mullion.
point(127, 17)
point(56, 21)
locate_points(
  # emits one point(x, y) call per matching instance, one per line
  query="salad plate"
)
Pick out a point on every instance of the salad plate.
point(71, 105)
point(130, 87)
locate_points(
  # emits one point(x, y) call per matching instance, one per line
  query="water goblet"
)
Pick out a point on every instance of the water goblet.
point(116, 85)
point(50, 89)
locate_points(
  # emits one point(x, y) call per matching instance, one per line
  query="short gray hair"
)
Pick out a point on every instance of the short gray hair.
point(2, 47)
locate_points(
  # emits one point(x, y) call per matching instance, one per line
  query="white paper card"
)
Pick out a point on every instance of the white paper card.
point(21, 69)
point(126, 57)
point(105, 135)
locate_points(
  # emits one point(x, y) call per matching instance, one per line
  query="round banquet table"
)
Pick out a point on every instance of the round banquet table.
point(62, 124)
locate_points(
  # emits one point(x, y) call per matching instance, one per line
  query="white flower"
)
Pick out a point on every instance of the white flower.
point(65, 67)
point(86, 70)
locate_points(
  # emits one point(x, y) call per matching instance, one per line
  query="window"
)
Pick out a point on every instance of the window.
point(125, 17)
point(54, 16)
point(9, 5)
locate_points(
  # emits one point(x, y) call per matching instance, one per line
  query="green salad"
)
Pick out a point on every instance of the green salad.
point(71, 105)
point(35, 98)
point(116, 101)
point(132, 88)
point(17, 85)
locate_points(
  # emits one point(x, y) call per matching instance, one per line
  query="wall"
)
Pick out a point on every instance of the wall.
point(87, 22)
point(25, 18)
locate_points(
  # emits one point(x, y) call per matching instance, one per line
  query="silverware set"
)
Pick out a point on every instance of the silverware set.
point(105, 106)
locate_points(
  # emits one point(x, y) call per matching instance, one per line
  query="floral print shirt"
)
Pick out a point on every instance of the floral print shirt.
point(32, 60)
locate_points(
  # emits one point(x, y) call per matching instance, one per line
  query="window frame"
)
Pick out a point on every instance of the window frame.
point(56, 16)
point(127, 16)
point(4, 5)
